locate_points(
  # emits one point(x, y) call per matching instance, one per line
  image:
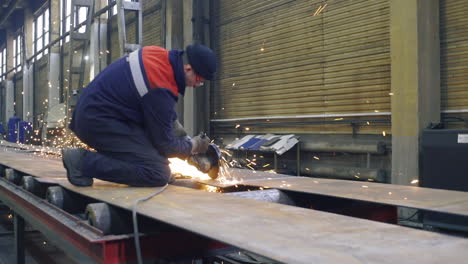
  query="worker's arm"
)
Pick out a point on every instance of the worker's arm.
point(200, 143)
point(159, 115)
point(179, 131)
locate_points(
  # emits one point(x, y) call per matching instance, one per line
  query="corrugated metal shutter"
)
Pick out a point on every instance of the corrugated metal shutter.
point(278, 59)
point(454, 54)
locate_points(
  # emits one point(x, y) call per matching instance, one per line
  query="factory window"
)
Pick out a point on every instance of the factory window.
point(80, 16)
point(114, 8)
point(65, 17)
point(17, 51)
point(2, 64)
point(41, 32)
point(65, 8)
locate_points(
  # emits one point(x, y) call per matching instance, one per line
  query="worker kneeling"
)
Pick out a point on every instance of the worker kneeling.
point(127, 114)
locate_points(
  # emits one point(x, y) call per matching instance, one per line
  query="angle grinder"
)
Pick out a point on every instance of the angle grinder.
point(208, 162)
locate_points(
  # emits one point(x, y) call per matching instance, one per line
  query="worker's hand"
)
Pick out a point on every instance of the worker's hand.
point(200, 144)
point(179, 130)
point(200, 161)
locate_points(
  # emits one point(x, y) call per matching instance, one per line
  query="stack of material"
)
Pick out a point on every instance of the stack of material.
point(268, 143)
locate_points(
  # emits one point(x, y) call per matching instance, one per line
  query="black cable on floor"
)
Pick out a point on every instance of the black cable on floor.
point(136, 234)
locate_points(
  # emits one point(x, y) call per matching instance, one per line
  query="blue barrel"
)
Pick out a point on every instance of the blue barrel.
point(2, 131)
point(25, 132)
point(13, 129)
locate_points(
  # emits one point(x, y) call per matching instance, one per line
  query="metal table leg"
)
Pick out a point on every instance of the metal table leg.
point(19, 239)
point(298, 159)
point(275, 161)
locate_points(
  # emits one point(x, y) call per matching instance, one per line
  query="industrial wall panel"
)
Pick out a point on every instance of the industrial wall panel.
point(152, 23)
point(454, 54)
point(280, 58)
point(114, 47)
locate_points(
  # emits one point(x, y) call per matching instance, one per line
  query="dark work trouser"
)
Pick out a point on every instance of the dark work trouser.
point(124, 153)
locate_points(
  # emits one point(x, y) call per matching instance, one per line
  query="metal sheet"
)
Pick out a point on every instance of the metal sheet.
point(284, 233)
point(52, 171)
point(243, 176)
point(445, 201)
point(33, 164)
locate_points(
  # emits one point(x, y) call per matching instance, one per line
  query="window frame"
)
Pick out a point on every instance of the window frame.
point(65, 18)
point(80, 16)
point(41, 34)
point(18, 50)
point(65, 7)
point(2, 63)
point(113, 11)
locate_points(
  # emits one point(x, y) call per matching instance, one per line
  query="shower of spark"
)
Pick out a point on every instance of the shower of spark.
point(225, 176)
point(48, 142)
point(181, 167)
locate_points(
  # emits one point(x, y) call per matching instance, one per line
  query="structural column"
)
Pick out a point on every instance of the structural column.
point(189, 97)
point(9, 88)
point(98, 41)
point(415, 60)
point(201, 34)
point(196, 101)
point(54, 57)
point(174, 38)
point(174, 24)
point(28, 72)
point(19, 239)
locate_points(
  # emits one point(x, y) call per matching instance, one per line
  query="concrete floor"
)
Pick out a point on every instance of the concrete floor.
point(37, 249)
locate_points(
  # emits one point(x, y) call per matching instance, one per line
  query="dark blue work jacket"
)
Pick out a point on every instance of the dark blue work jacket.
point(134, 96)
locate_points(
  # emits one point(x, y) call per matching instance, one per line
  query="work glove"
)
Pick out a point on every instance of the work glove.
point(179, 130)
point(200, 161)
point(200, 143)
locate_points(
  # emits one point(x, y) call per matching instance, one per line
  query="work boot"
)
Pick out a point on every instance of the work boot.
point(72, 161)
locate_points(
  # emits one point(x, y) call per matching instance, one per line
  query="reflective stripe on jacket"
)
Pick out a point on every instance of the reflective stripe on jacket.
point(151, 69)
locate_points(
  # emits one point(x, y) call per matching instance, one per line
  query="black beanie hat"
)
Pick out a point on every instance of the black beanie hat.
point(202, 59)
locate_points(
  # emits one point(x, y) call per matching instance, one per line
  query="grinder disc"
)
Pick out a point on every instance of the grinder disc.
point(214, 156)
